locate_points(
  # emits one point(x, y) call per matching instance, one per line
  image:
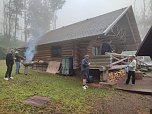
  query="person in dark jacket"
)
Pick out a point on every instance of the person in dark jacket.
point(85, 70)
point(9, 64)
point(106, 47)
point(17, 61)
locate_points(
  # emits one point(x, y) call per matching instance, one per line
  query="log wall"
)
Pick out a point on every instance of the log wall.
point(44, 52)
point(73, 48)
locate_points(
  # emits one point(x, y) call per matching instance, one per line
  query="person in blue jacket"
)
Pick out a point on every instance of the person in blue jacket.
point(85, 70)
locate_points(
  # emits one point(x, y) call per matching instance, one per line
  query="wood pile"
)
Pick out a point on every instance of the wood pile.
point(116, 75)
point(100, 60)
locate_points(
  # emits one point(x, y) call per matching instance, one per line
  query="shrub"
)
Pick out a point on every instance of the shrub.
point(2, 53)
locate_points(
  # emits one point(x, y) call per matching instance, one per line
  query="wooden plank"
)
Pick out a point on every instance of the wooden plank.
point(100, 63)
point(117, 67)
point(98, 66)
point(101, 60)
point(119, 61)
point(117, 55)
point(100, 56)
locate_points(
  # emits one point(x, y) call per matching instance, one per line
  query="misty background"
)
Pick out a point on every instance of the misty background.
point(23, 20)
point(77, 10)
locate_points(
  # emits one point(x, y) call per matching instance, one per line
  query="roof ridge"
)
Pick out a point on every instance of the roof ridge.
point(88, 19)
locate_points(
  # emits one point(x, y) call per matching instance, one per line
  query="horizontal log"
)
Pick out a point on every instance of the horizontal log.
point(99, 66)
point(100, 56)
point(100, 63)
point(42, 56)
point(117, 55)
point(66, 51)
point(69, 54)
point(101, 60)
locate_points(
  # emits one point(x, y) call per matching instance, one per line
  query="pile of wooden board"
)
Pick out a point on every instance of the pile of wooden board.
point(111, 65)
point(116, 75)
point(100, 60)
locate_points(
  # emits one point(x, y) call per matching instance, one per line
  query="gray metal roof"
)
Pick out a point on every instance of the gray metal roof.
point(89, 27)
point(145, 49)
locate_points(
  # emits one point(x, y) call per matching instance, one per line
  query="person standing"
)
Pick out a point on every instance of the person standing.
point(106, 47)
point(17, 61)
point(85, 70)
point(9, 64)
point(131, 72)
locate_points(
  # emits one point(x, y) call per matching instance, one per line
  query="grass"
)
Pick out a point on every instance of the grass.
point(65, 93)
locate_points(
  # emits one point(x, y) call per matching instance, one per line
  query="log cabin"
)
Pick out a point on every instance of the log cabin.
point(86, 37)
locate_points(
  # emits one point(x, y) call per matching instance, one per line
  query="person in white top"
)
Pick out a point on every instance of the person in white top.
point(132, 69)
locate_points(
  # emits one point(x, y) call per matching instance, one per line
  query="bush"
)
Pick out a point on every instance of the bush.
point(2, 53)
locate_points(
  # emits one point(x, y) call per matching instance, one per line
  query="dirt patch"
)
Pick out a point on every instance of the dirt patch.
point(36, 101)
point(123, 103)
point(42, 105)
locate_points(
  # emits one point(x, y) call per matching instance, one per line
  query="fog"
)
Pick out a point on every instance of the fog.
point(77, 10)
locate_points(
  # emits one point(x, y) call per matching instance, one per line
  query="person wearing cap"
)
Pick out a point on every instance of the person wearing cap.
point(17, 61)
point(85, 70)
point(131, 70)
point(9, 64)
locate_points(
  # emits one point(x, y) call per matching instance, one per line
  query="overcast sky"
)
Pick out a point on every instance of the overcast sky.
point(78, 10)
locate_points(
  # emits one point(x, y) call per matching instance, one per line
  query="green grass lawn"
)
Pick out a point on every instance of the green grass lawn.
point(65, 93)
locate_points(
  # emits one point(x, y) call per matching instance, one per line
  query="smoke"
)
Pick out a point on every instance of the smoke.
point(32, 44)
point(38, 26)
point(30, 50)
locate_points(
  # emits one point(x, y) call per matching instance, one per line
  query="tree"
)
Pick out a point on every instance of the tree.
point(145, 17)
point(17, 11)
point(39, 16)
point(7, 20)
point(25, 13)
point(12, 11)
point(42, 15)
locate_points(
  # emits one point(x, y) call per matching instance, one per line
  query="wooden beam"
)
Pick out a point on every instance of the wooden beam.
point(115, 54)
point(116, 21)
point(119, 61)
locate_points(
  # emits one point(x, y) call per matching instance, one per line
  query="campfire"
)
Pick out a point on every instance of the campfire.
point(25, 63)
point(31, 63)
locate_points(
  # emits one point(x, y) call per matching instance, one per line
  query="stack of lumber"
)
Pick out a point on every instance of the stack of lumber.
point(101, 60)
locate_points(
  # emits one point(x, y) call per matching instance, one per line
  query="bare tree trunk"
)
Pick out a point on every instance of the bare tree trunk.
point(25, 20)
point(25, 27)
point(4, 22)
point(16, 18)
point(9, 20)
